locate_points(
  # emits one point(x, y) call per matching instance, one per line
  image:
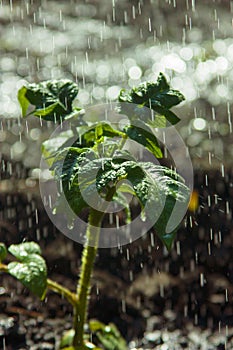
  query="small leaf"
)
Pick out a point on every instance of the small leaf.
point(32, 273)
point(22, 250)
point(141, 133)
point(23, 101)
point(3, 252)
point(108, 335)
point(96, 131)
point(96, 325)
point(67, 338)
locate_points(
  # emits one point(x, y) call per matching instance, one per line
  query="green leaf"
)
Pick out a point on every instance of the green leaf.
point(141, 133)
point(22, 250)
point(172, 186)
point(52, 99)
point(158, 121)
point(67, 162)
point(121, 199)
point(67, 338)
point(87, 178)
point(31, 272)
point(158, 189)
point(3, 252)
point(96, 325)
point(156, 96)
point(51, 147)
point(108, 335)
point(96, 131)
point(24, 103)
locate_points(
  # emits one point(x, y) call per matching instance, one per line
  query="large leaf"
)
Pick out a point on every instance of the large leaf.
point(31, 271)
point(52, 99)
point(172, 186)
point(141, 133)
point(158, 190)
point(156, 96)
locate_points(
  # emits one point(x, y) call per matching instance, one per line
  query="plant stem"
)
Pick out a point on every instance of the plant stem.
point(83, 289)
point(63, 291)
point(54, 286)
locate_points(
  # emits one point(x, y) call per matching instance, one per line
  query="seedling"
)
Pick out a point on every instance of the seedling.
point(99, 145)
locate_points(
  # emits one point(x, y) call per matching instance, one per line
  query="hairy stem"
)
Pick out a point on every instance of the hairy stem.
point(83, 289)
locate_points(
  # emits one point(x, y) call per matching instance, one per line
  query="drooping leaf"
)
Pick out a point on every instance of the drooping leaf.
point(158, 189)
point(52, 99)
point(172, 187)
point(121, 199)
point(31, 272)
point(141, 133)
point(159, 121)
point(156, 96)
point(3, 252)
point(67, 162)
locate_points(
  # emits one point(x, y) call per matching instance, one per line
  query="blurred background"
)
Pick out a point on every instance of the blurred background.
point(105, 46)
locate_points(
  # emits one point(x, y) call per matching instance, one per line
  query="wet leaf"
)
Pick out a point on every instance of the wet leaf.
point(20, 251)
point(87, 178)
point(52, 99)
point(172, 186)
point(141, 133)
point(31, 272)
point(156, 96)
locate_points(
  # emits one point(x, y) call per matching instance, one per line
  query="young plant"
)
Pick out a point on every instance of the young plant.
point(97, 147)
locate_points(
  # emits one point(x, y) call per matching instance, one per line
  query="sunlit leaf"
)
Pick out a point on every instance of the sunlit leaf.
point(52, 100)
point(156, 96)
point(141, 133)
point(24, 103)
